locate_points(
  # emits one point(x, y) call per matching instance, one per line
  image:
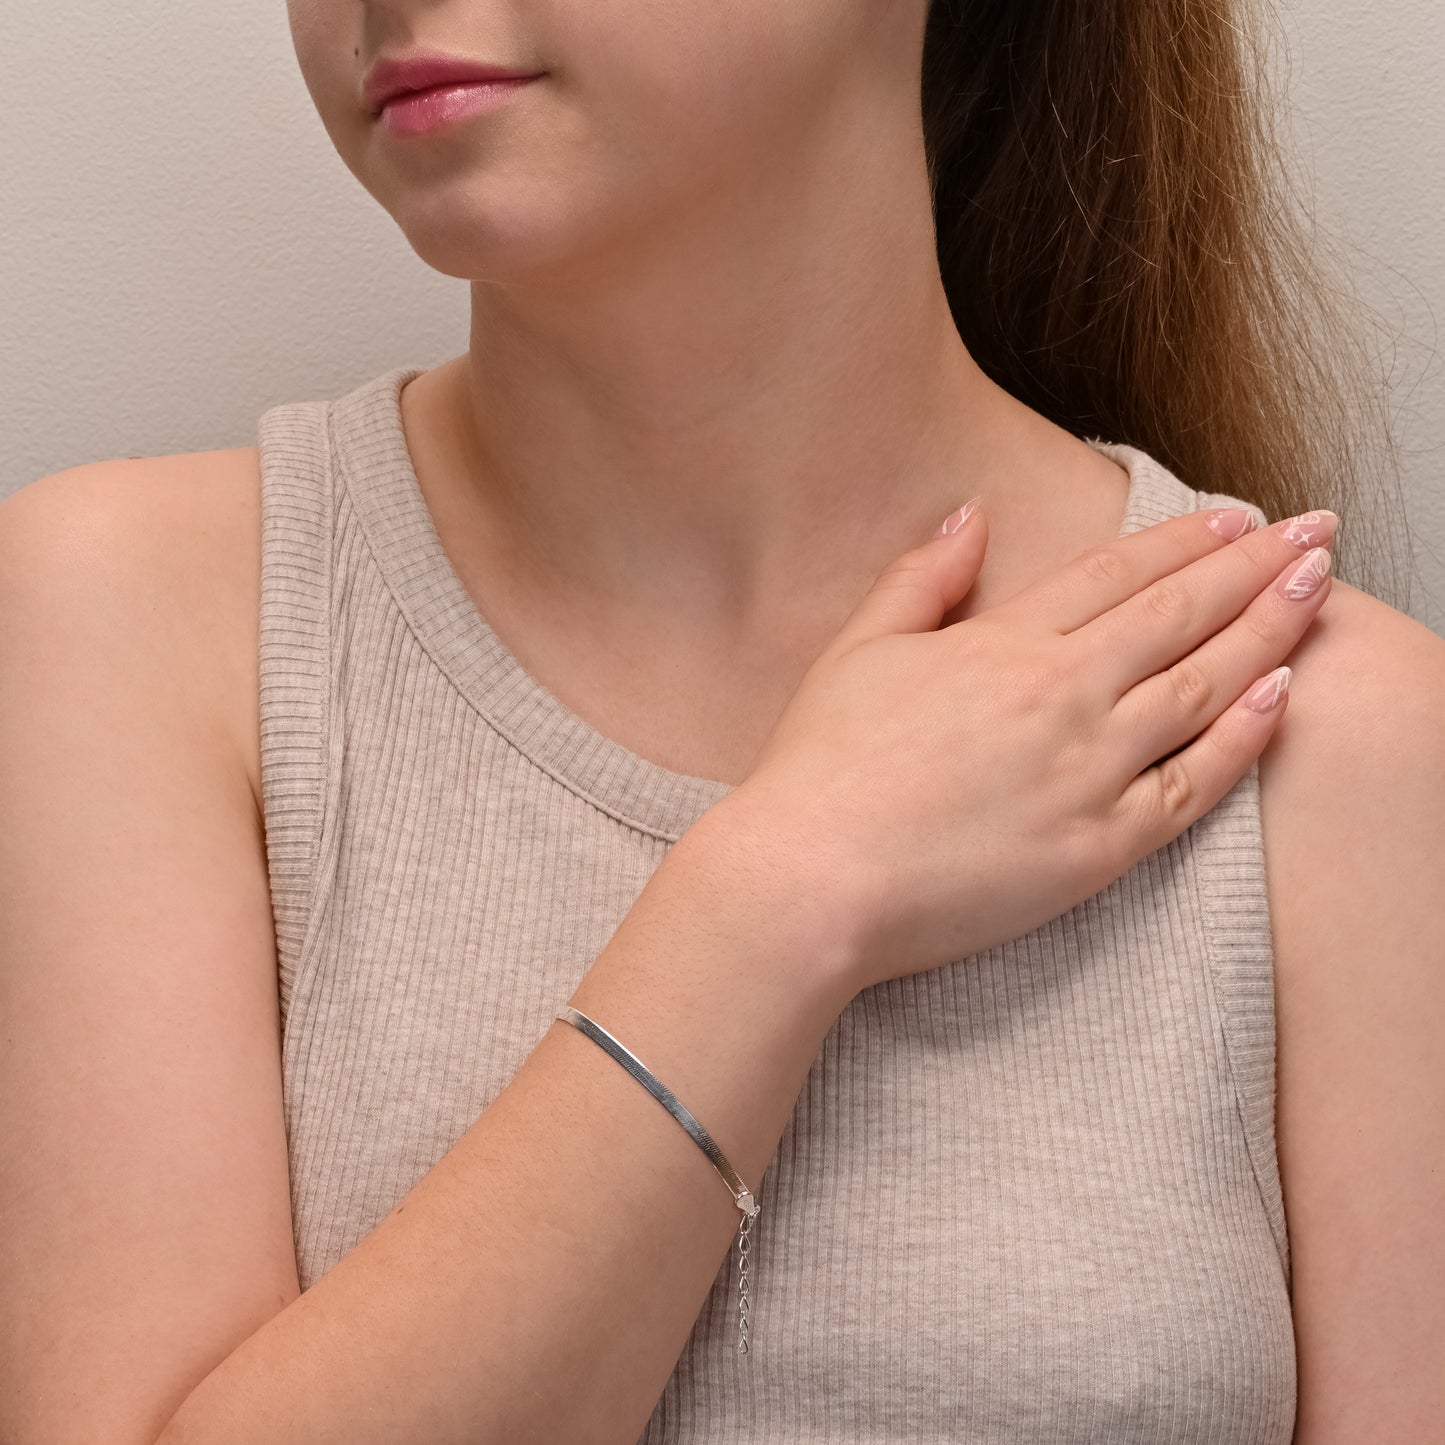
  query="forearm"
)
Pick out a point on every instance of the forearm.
point(541, 1281)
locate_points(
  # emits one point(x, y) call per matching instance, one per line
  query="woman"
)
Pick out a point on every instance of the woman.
point(491, 688)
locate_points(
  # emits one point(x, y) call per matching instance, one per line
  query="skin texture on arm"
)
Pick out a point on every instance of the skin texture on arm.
point(1355, 818)
point(145, 1221)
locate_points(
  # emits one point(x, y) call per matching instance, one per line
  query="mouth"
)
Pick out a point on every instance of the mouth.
point(419, 112)
point(393, 78)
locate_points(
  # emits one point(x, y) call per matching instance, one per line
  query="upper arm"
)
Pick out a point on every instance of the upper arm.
point(145, 1225)
point(1358, 850)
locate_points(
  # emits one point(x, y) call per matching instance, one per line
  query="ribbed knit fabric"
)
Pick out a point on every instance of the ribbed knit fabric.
point(1030, 1196)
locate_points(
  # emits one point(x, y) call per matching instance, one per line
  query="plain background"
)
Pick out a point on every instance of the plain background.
point(182, 248)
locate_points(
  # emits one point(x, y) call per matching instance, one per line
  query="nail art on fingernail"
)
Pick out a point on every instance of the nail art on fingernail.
point(954, 521)
point(1268, 691)
point(1309, 529)
point(1231, 522)
point(1307, 575)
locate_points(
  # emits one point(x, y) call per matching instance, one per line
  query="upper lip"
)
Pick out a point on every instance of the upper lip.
point(391, 77)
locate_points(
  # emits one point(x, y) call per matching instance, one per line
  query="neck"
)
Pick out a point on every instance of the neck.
point(757, 397)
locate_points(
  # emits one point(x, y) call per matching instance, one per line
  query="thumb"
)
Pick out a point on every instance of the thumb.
point(914, 591)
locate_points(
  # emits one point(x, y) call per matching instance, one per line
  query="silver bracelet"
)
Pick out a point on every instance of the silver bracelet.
point(742, 1195)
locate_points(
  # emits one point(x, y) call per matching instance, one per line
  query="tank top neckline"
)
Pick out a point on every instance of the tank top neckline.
point(368, 441)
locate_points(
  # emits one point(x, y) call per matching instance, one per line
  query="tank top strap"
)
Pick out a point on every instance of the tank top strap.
point(1228, 845)
point(297, 528)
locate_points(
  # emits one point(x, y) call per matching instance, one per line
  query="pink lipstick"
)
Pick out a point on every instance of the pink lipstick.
point(420, 111)
point(419, 93)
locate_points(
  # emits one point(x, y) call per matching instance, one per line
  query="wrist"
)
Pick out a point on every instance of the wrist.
point(760, 858)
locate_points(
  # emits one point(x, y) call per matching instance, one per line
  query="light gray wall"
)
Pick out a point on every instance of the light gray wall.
point(151, 307)
point(1367, 89)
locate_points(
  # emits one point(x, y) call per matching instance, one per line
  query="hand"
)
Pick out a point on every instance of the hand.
point(946, 788)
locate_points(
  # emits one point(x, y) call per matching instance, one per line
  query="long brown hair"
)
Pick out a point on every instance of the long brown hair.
point(1119, 243)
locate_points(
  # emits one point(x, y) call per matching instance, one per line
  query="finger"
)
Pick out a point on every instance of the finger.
point(1168, 797)
point(1103, 577)
point(913, 592)
point(1167, 621)
point(1166, 710)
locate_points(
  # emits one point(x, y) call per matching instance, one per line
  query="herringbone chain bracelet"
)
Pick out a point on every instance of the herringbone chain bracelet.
point(742, 1195)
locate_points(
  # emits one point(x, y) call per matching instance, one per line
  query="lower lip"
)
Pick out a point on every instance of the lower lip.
point(422, 111)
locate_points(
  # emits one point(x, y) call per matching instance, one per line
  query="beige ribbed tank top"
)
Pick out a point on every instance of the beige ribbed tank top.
point(1031, 1196)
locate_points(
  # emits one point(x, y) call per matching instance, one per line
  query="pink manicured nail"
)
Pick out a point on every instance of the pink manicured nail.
point(1231, 522)
point(1268, 691)
point(955, 521)
point(1309, 529)
point(1306, 576)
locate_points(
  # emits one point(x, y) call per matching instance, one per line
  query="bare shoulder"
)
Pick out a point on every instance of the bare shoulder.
point(1353, 803)
point(145, 1221)
point(177, 537)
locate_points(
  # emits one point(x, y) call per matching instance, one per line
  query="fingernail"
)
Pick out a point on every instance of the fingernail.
point(1309, 529)
point(1268, 691)
point(1231, 522)
point(955, 521)
point(1306, 577)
